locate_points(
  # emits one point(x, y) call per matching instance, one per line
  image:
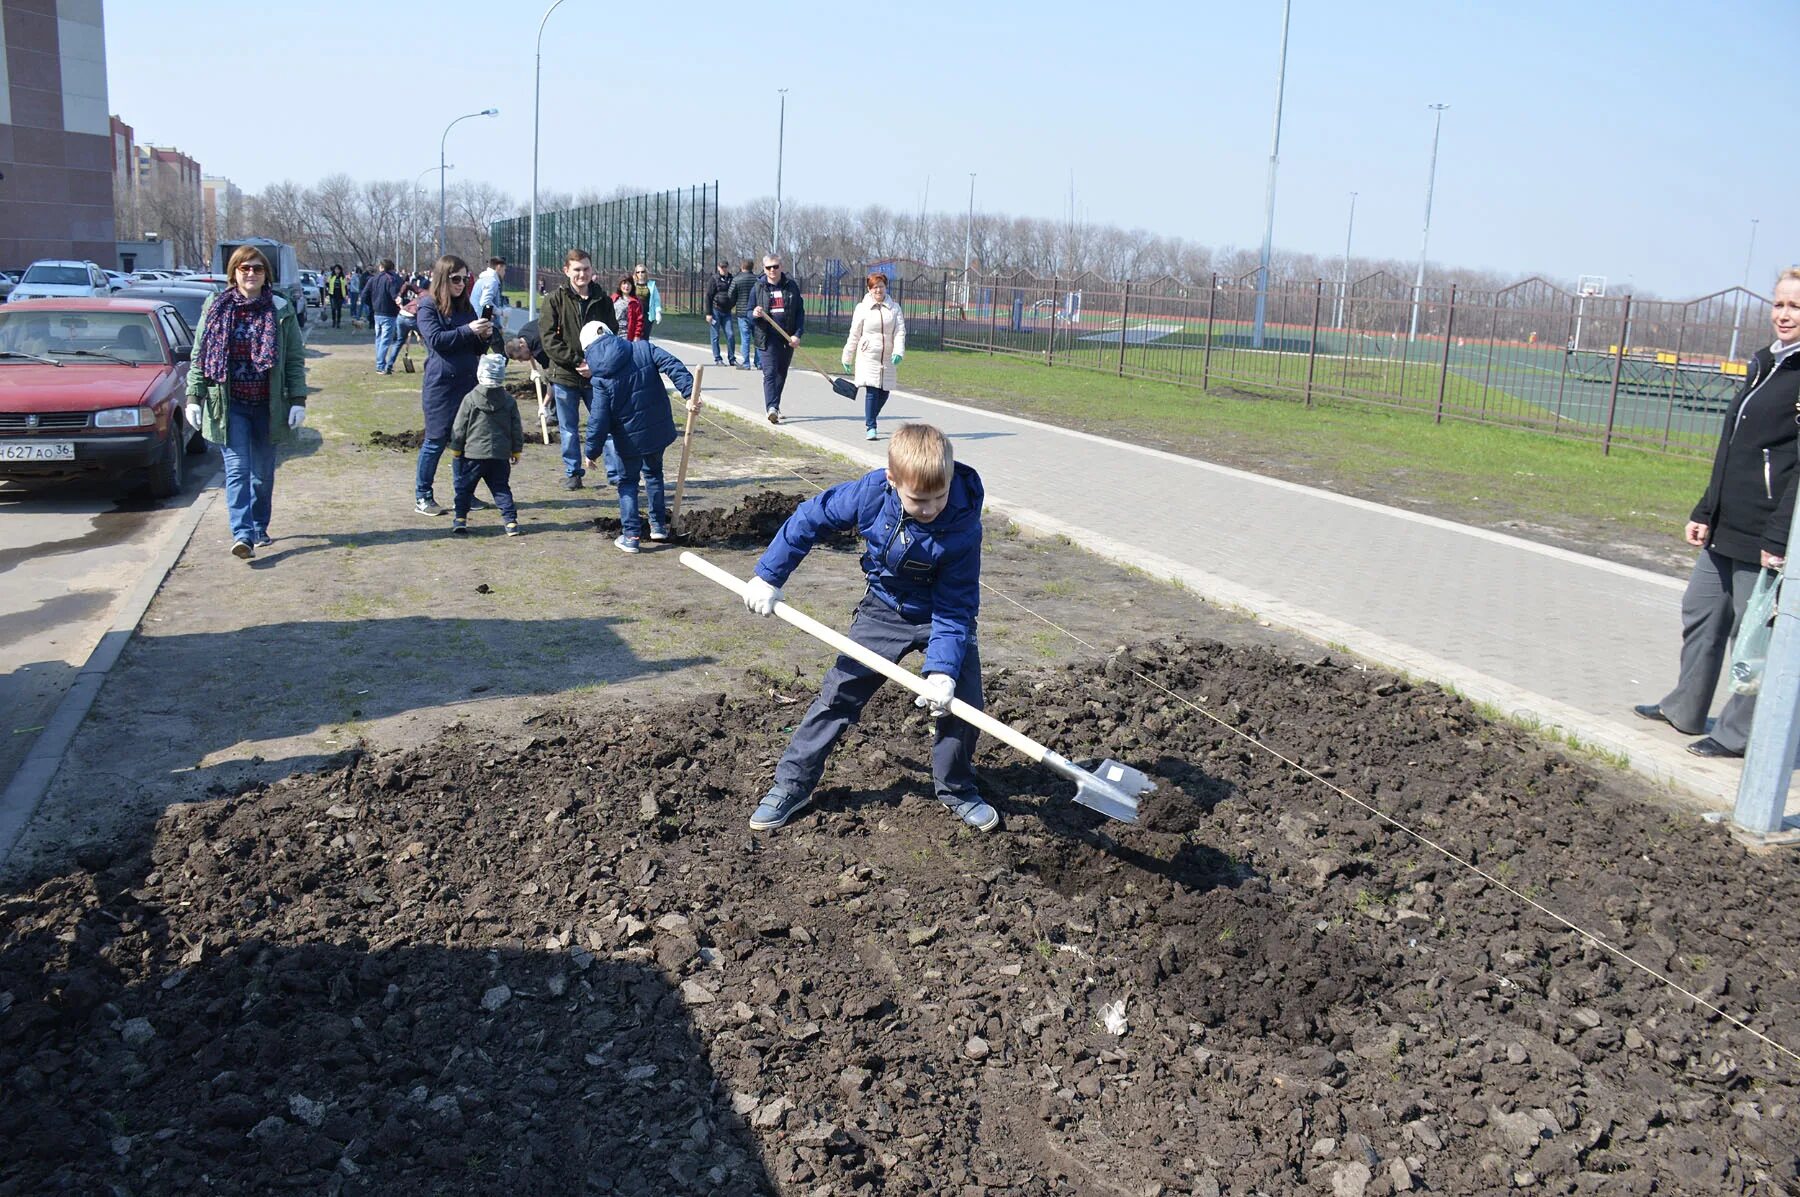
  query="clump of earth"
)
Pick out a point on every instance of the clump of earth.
point(412, 438)
point(559, 962)
point(749, 525)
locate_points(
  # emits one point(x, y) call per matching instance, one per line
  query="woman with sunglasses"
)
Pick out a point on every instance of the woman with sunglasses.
point(246, 390)
point(455, 337)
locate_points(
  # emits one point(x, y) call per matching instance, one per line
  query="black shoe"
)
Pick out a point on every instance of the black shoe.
point(572, 482)
point(1710, 748)
point(1651, 711)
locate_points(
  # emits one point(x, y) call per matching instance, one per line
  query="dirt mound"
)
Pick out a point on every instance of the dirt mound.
point(749, 525)
point(564, 965)
point(411, 439)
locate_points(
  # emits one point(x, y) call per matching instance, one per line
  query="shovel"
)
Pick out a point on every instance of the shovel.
point(687, 439)
point(1112, 788)
point(537, 383)
point(842, 386)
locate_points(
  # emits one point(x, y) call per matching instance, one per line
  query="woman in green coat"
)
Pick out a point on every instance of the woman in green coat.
point(247, 390)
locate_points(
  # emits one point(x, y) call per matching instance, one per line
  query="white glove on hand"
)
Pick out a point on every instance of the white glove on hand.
point(296, 416)
point(193, 416)
point(760, 597)
point(940, 689)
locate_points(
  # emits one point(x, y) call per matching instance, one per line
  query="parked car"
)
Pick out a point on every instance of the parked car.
point(314, 282)
point(8, 281)
point(117, 280)
point(55, 278)
point(186, 299)
point(95, 387)
point(217, 282)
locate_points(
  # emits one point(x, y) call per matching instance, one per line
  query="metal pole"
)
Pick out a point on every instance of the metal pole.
point(780, 146)
point(414, 205)
point(1212, 299)
point(1612, 398)
point(442, 168)
point(1344, 276)
point(1737, 315)
point(1262, 273)
point(1444, 366)
point(1430, 183)
point(1124, 319)
point(968, 242)
point(1312, 346)
point(537, 72)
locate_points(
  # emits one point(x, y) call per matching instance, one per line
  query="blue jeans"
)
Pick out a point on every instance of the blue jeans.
point(429, 453)
point(847, 688)
point(874, 399)
point(746, 342)
point(651, 467)
point(249, 471)
point(497, 473)
point(568, 424)
point(719, 329)
point(385, 340)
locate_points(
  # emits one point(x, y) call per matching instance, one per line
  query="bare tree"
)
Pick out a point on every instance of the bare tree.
point(477, 207)
point(172, 210)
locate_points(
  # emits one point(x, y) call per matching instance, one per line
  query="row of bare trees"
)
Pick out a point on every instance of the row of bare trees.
point(340, 220)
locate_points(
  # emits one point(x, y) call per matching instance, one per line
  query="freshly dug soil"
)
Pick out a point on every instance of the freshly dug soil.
point(411, 439)
point(563, 964)
point(749, 525)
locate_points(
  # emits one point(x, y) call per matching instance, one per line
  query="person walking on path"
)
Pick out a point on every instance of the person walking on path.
point(490, 287)
point(631, 407)
point(921, 518)
point(486, 441)
point(567, 310)
point(246, 390)
point(629, 308)
point(743, 286)
point(1740, 525)
point(381, 294)
point(778, 297)
point(455, 339)
point(644, 287)
point(336, 292)
point(358, 277)
point(876, 343)
point(718, 314)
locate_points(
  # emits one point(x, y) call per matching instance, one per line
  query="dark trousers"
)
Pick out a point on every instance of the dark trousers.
point(337, 312)
point(847, 688)
point(497, 473)
point(1712, 607)
point(777, 356)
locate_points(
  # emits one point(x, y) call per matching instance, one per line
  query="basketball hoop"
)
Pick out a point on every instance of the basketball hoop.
point(1591, 286)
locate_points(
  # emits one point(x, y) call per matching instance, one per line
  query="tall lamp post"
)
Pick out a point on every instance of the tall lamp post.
point(1344, 275)
point(1737, 315)
point(414, 205)
point(442, 167)
point(1430, 182)
point(1262, 271)
point(780, 145)
point(537, 72)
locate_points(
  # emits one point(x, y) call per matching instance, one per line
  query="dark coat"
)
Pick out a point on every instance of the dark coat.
point(719, 293)
point(1749, 501)
point(565, 315)
point(923, 571)
point(741, 287)
point(793, 316)
point(488, 427)
point(453, 350)
point(630, 403)
point(382, 293)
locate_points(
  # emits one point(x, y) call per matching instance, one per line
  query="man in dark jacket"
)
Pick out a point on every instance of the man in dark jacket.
point(381, 294)
point(742, 284)
point(718, 314)
point(567, 311)
point(632, 408)
point(776, 297)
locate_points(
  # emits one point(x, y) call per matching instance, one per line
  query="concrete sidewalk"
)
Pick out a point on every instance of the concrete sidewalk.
point(1543, 634)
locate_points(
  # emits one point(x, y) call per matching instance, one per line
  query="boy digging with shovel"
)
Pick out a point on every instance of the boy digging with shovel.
point(921, 519)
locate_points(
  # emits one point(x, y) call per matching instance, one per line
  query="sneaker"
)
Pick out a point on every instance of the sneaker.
point(459, 525)
point(242, 550)
point(626, 544)
point(733, 363)
point(974, 812)
point(262, 540)
point(427, 506)
point(871, 435)
point(718, 361)
point(774, 415)
point(658, 532)
point(776, 808)
point(477, 504)
point(512, 529)
point(572, 482)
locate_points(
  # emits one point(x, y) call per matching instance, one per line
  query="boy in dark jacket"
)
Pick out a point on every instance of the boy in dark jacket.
point(631, 406)
point(921, 519)
point(486, 441)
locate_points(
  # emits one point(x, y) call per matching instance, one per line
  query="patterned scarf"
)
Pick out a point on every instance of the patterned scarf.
point(215, 339)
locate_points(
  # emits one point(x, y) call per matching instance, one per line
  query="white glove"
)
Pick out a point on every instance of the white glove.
point(193, 415)
point(296, 416)
point(760, 597)
point(940, 689)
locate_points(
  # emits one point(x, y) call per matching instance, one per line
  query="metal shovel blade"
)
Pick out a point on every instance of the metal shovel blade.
point(1112, 789)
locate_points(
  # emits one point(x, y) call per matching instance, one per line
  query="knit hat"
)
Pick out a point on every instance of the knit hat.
point(593, 331)
point(491, 370)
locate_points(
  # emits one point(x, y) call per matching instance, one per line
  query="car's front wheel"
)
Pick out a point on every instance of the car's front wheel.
point(169, 473)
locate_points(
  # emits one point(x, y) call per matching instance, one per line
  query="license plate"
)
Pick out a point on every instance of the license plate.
point(48, 451)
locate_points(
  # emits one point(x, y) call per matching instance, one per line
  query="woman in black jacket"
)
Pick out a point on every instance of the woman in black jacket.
point(455, 338)
point(1740, 527)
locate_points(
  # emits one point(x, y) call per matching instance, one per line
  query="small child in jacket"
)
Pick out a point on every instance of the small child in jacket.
point(921, 519)
point(486, 441)
point(631, 406)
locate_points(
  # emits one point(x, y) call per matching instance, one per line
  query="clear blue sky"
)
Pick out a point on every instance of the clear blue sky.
point(1593, 136)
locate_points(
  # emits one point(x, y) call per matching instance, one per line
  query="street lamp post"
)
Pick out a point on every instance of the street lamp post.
point(442, 167)
point(780, 145)
point(1268, 244)
point(1430, 182)
point(1737, 315)
point(413, 222)
point(537, 71)
point(1344, 275)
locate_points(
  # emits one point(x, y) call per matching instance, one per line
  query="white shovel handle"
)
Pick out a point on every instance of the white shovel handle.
point(850, 648)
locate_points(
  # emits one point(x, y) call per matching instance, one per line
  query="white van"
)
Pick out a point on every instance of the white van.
point(55, 278)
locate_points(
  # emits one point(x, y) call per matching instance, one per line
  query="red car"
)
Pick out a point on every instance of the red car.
point(95, 387)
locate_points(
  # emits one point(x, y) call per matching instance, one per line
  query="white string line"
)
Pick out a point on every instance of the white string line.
point(1593, 938)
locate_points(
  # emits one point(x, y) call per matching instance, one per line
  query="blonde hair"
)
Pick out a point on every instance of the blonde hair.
point(1791, 274)
point(920, 458)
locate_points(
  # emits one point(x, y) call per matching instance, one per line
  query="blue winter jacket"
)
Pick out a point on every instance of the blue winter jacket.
point(453, 351)
point(923, 571)
point(629, 403)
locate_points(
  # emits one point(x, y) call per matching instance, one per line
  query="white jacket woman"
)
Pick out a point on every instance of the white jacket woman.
point(877, 338)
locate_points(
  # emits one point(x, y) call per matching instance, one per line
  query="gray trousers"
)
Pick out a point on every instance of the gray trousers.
point(1712, 607)
point(847, 688)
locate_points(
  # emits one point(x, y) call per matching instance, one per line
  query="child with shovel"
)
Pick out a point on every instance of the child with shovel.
point(921, 518)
